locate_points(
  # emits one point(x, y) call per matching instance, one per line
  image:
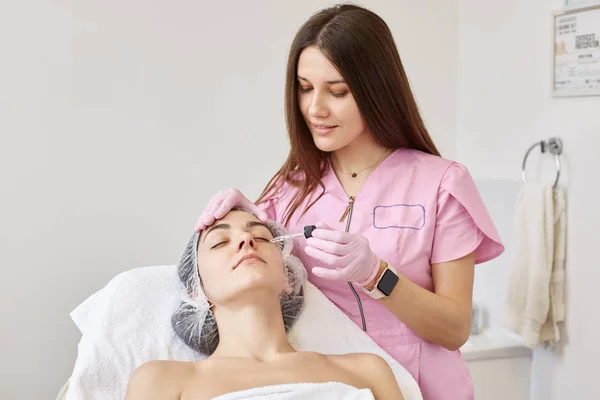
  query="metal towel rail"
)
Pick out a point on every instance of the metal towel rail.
point(555, 146)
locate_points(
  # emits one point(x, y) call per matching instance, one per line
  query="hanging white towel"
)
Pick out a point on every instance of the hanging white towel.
point(536, 302)
point(550, 333)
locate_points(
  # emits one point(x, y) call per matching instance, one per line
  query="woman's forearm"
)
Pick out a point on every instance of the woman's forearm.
point(435, 318)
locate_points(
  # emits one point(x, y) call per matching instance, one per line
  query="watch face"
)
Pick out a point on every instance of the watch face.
point(387, 282)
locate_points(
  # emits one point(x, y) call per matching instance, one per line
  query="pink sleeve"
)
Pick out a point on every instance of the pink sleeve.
point(463, 224)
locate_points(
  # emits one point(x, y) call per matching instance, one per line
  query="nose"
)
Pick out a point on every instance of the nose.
point(246, 240)
point(318, 107)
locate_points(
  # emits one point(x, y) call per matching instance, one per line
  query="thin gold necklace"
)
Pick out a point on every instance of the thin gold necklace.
point(355, 174)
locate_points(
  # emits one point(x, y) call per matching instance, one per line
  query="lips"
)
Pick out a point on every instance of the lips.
point(248, 257)
point(323, 129)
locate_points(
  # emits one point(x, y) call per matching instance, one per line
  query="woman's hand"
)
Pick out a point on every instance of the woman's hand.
point(349, 255)
point(221, 203)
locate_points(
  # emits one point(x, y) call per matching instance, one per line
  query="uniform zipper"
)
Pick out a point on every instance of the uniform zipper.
point(348, 214)
point(348, 211)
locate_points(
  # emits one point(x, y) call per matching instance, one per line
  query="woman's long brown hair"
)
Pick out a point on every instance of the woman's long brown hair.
point(359, 43)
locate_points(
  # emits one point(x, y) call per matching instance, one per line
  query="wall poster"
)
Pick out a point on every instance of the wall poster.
point(577, 52)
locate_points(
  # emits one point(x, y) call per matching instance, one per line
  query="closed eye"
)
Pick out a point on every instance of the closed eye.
point(339, 94)
point(219, 244)
point(227, 241)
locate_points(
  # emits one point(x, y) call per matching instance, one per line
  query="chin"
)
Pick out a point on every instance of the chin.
point(328, 145)
point(257, 274)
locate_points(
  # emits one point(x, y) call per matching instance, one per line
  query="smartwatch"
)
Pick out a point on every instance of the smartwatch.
point(386, 283)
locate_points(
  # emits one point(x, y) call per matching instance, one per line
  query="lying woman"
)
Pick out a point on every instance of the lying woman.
point(244, 294)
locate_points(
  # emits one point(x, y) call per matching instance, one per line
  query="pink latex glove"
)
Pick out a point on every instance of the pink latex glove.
point(349, 255)
point(221, 203)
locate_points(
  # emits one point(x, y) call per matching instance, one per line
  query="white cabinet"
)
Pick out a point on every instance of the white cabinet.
point(500, 366)
point(501, 379)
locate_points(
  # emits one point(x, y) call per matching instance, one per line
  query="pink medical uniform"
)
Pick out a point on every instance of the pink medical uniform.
point(416, 209)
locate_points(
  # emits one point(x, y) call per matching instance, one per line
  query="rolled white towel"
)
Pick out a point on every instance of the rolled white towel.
point(301, 391)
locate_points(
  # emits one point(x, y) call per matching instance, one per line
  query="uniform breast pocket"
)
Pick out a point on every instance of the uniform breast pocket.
point(399, 216)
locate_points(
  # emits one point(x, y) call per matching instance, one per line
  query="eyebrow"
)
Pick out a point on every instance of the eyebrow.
point(333, 82)
point(220, 226)
point(254, 224)
point(249, 225)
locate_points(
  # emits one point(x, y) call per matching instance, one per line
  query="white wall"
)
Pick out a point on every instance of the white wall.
point(118, 121)
point(504, 106)
point(490, 289)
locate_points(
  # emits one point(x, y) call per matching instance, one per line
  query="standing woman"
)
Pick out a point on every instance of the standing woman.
point(400, 228)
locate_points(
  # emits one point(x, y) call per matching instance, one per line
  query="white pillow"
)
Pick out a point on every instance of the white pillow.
point(128, 323)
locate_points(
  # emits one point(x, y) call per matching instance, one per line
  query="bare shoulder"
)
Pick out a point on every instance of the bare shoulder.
point(158, 380)
point(374, 370)
point(362, 362)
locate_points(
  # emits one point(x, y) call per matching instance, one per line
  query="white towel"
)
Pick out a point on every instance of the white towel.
point(327, 330)
point(302, 391)
point(124, 325)
point(127, 323)
point(536, 303)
